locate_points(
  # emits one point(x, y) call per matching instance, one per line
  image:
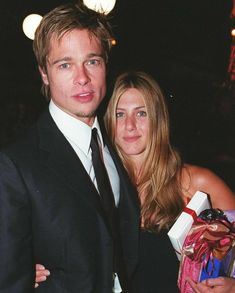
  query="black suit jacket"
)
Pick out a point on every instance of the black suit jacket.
point(50, 213)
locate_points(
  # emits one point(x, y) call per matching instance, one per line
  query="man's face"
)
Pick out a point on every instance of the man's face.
point(76, 74)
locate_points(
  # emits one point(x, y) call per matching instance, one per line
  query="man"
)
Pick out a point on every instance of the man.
point(50, 209)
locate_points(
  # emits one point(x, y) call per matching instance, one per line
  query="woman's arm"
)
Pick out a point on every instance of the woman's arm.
point(196, 178)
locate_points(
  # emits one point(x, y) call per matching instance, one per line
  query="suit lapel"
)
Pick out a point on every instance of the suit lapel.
point(129, 213)
point(58, 155)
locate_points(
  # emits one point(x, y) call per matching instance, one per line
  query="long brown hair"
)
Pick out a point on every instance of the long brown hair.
point(158, 181)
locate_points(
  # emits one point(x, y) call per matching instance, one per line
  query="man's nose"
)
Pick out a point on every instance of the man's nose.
point(81, 76)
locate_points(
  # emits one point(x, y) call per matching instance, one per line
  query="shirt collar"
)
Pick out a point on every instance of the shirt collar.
point(73, 129)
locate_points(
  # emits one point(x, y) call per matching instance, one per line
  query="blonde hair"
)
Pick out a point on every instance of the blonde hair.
point(63, 19)
point(158, 181)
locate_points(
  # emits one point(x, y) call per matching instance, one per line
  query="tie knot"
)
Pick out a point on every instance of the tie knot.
point(94, 137)
point(94, 133)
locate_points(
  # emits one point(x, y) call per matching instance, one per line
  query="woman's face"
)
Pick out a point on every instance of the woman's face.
point(132, 126)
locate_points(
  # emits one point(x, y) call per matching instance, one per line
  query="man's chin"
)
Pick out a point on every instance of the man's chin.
point(85, 115)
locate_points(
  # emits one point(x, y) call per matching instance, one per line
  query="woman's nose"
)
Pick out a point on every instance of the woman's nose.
point(130, 123)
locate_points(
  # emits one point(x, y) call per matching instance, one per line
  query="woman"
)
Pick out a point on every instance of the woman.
point(138, 124)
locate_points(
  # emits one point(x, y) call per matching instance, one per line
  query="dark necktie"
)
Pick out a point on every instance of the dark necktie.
point(107, 201)
point(101, 175)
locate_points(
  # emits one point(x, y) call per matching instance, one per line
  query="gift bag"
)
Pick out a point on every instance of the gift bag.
point(228, 263)
point(208, 250)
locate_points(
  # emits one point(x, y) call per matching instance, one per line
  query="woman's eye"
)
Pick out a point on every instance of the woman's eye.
point(119, 114)
point(141, 114)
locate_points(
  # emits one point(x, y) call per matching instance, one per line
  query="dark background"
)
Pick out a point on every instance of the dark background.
point(184, 44)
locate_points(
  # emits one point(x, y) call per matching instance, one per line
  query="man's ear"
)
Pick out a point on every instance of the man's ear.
point(44, 76)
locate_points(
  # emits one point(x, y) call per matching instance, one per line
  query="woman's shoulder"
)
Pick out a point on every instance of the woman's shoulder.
point(199, 176)
point(196, 178)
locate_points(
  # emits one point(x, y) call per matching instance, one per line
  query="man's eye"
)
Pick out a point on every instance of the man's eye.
point(94, 62)
point(141, 114)
point(64, 66)
point(119, 114)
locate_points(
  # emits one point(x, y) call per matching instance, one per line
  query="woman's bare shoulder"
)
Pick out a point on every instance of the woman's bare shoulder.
point(205, 180)
point(200, 176)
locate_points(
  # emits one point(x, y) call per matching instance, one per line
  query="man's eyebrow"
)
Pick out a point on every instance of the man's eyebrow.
point(61, 60)
point(95, 55)
point(67, 58)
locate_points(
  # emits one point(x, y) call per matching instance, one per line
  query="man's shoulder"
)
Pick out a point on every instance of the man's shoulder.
point(22, 145)
point(25, 142)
